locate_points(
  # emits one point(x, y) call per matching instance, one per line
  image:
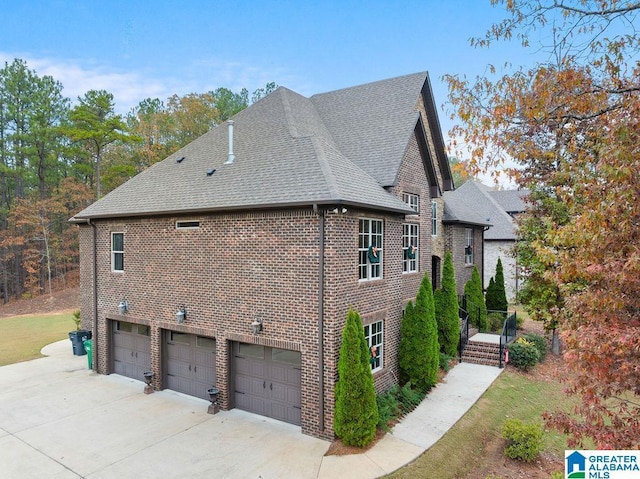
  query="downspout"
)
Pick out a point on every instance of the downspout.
point(320, 316)
point(94, 335)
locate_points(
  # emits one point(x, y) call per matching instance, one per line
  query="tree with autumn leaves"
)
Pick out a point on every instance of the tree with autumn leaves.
point(570, 126)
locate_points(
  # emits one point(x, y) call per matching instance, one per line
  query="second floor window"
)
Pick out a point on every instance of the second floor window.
point(468, 249)
point(412, 200)
point(369, 249)
point(434, 218)
point(117, 251)
point(410, 247)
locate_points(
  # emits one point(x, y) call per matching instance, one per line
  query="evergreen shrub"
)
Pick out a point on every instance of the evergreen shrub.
point(539, 342)
point(524, 440)
point(523, 354)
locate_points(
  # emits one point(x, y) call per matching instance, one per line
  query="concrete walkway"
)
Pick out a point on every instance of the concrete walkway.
point(60, 420)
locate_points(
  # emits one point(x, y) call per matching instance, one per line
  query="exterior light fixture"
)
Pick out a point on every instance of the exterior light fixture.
point(148, 377)
point(256, 325)
point(123, 307)
point(181, 315)
point(214, 407)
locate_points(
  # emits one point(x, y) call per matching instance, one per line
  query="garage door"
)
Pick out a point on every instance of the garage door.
point(267, 381)
point(191, 363)
point(131, 349)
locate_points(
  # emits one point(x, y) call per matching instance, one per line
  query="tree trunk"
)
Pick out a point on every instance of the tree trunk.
point(555, 343)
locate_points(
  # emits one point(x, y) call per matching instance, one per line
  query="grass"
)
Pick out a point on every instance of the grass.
point(468, 445)
point(22, 337)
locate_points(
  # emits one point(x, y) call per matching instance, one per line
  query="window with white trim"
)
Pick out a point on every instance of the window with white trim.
point(434, 218)
point(369, 249)
point(373, 334)
point(410, 247)
point(412, 200)
point(117, 251)
point(468, 248)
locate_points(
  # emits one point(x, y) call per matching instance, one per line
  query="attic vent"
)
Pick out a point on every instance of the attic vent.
point(211, 171)
point(182, 225)
point(180, 160)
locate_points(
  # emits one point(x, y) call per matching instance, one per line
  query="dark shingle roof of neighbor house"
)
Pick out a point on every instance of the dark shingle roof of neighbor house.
point(474, 203)
point(341, 147)
point(512, 201)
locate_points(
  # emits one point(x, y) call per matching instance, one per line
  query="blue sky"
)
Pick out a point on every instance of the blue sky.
point(139, 48)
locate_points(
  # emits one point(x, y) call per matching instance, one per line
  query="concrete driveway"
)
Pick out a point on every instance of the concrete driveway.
point(60, 420)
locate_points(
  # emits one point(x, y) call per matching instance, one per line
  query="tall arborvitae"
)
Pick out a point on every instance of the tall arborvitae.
point(419, 351)
point(501, 293)
point(356, 410)
point(496, 298)
point(446, 307)
point(475, 301)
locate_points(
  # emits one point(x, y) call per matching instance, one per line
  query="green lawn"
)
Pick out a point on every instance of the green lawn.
point(468, 446)
point(22, 337)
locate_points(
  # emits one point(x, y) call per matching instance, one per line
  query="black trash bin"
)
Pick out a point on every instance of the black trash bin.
point(77, 341)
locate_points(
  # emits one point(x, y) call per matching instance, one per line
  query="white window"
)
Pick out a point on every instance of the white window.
point(370, 249)
point(410, 247)
point(412, 200)
point(373, 334)
point(434, 218)
point(117, 251)
point(468, 248)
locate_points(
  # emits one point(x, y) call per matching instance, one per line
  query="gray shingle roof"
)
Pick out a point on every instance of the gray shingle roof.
point(512, 201)
point(340, 147)
point(372, 123)
point(472, 203)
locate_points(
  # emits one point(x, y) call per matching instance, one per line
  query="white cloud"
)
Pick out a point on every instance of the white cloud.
point(128, 88)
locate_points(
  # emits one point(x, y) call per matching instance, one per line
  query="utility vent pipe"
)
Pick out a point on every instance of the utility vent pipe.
point(230, 156)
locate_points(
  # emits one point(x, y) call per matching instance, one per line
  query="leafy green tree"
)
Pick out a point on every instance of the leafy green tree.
point(419, 350)
point(356, 410)
point(95, 125)
point(475, 301)
point(569, 126)
point(446, 308)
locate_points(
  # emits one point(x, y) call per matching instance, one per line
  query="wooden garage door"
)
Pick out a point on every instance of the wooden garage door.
point(267, 381)
point(191, 363)
point(131, 349)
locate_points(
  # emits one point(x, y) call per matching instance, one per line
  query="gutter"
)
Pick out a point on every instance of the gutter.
point(320, 317)
point(94, 335)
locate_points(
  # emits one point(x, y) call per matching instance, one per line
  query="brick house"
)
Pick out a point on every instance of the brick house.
point(272, 219)
point(498, 211)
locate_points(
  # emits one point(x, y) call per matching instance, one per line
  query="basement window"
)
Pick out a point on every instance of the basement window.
point(187, 225)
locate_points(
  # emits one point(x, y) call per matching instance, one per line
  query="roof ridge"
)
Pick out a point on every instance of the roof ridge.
point(327, 172)
point(288, 114)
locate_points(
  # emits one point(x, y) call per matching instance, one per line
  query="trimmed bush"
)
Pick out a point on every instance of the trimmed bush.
point(524, 440)
point(539, 342)
point(495, 321)
point(446, 305)
point(409, 398)
point(475, 301)
point(419, 351)
point(388, 407)
point(356, 410)
point(523, 354)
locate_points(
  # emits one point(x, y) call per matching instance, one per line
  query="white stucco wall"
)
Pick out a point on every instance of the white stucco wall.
point(500, 249)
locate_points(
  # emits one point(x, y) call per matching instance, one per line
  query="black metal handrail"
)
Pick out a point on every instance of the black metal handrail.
point(464, 330)
point(509, 331)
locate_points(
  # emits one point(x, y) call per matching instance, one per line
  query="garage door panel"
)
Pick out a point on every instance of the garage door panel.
point(131, 349)
point(269, 384)
point(190, 363)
